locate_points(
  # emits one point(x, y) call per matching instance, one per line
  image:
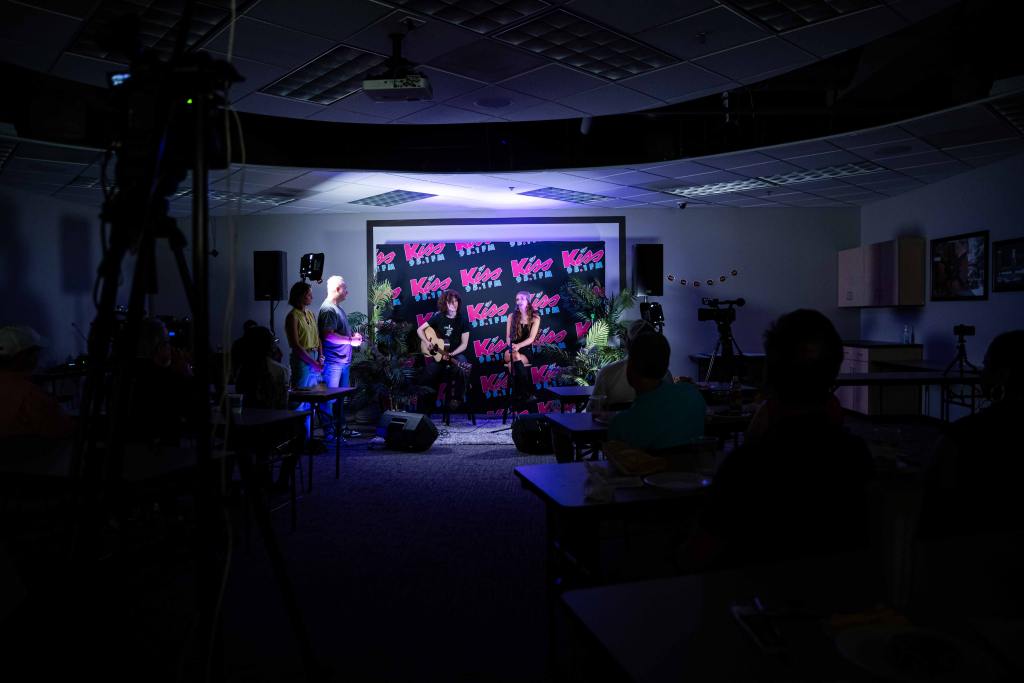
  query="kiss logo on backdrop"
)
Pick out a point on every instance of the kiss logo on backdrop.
point(416, 254)
point(471, 248)
point(487, 275)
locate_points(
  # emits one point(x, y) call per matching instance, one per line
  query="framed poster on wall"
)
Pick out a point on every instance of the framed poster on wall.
point(1008, 265)
point(959, 266)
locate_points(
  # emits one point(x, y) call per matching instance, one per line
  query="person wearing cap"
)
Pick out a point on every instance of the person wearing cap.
point(25, 409)
point(611, 382)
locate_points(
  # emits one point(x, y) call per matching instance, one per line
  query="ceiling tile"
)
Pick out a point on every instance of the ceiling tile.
point(961, 126)
point(269, 44)
point(611, 99)
point(728, 161)
point(677, 169)
point(442, 113)
point(494, 101)
point(482, 16)
point(487, 61)
point(750, 60)
point(916, 10)
point(876, 137)
point(446, 85)
point(546, 111)
point(1005, 147)
point(936, 171)
point(427, 41)
point(86, 69)
point(33, 38)
point(338, 115)
point(836, 158)
point(899, 148)
point(906, 161)
point(334, 20)
point(255, 74)
point(634, 178)
point(268, 105)
point(553, 82)
point(845, 31)
point(676, 82)
point(701, 34)
point(636, 15)
point(766, 169)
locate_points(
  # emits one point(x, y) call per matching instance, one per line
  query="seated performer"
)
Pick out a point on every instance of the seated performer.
point(449, 337)
point(520, 333)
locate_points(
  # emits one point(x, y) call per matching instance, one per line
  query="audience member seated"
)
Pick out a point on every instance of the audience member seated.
point(972, 486)
point(611, 382)
point(237, 349)
point(800, 488)
point(162, 398)
point(25, 409)
point(263, 383)
point(664, 415)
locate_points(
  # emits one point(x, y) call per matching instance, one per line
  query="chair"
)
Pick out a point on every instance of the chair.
point(449, 396)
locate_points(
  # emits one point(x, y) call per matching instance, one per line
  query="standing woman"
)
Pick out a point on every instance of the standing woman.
point(306, 358)
point(520, 333)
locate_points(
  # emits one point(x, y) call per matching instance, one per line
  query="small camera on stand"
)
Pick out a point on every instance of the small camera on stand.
point(311, 267)
point(652, 313)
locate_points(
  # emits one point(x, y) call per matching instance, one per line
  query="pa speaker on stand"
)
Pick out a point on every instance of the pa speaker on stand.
point(648, 270)
point(406, 431)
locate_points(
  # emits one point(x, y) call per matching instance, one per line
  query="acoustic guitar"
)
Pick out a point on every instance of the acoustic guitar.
point(434, 347)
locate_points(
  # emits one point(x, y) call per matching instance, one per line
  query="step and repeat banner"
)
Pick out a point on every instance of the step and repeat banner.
point(487, 276)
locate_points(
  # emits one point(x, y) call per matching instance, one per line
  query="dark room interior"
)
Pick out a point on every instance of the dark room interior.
point(639, 341)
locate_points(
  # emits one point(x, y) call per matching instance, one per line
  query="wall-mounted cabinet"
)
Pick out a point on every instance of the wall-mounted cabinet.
point(882, 274)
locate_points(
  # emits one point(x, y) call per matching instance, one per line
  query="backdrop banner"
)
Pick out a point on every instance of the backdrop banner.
point(487, 276)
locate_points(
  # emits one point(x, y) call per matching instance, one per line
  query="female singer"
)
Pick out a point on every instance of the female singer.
point(520, 333)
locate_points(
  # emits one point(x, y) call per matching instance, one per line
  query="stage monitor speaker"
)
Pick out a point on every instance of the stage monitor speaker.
point(406, 431)
point(269, 269)
point(648, 267)
point(532, 434)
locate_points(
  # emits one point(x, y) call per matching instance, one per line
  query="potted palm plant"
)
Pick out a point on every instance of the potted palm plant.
point(588, 301)
point(382, 367)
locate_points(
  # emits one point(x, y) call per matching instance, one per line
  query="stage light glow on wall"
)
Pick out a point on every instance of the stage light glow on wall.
point(487, 276)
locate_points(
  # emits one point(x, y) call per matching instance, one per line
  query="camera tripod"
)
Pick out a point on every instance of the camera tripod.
point(728, 350)
point(960, 359)
point(151, 163)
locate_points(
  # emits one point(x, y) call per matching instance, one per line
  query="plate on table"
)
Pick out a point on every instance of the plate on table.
point(907, 654)
point(677, 481)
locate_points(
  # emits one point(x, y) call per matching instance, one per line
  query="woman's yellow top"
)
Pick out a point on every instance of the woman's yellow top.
point(309, 338)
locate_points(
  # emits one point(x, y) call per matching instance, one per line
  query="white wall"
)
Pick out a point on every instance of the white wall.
point(786, 259)
point(49, 254)
point(988, 198)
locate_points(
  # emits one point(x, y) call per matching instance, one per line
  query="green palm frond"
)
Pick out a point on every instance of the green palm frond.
point(597, 336)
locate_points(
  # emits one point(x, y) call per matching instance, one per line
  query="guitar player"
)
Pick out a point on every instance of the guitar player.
point(452, 329)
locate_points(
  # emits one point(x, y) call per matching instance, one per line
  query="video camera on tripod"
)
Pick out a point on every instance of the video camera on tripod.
point(716, 314)
point(726, 350)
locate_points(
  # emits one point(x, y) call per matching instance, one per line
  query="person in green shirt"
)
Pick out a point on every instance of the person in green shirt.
point(663, 415)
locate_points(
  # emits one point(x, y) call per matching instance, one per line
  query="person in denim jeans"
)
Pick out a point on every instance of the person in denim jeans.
point(306, 355)
point(338, 339)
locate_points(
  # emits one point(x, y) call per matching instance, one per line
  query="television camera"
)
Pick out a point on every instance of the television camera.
point(717, 314)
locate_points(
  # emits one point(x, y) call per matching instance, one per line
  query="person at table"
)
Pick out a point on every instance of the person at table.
point(306, 357)
point(972, 485)
point(236, 346)
point(338, 340)
point(664, 415)
point(801, 487)
point(162, 399)
point(452, 330)
point(25, 409)
point(611, 381)
point(521, 331)
point(263, 383)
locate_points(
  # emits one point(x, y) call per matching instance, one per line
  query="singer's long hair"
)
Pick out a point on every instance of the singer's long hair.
point(531, 312)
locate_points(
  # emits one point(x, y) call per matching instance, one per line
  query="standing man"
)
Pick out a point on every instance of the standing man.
point(338, 340)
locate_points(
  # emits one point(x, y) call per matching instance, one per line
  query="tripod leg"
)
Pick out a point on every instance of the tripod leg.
point(262, 516)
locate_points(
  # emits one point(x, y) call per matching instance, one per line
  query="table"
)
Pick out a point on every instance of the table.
point(581, 428)
point(574, 524)
point(321, 395)
point(913, 378)
point(573, 394)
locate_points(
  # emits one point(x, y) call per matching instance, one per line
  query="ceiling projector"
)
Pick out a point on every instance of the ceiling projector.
point(408, 88)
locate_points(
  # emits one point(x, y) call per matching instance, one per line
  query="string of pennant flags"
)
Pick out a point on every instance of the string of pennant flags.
point(683, 282)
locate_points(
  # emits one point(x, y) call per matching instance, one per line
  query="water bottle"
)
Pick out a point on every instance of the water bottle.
point(736, 395)
point(906, 334)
